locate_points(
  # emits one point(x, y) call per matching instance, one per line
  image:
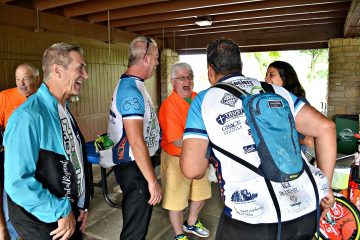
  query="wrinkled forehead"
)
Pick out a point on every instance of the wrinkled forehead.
point(23, 71)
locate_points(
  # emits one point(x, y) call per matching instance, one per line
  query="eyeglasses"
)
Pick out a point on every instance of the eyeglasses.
point(147, 45)
point(185, 78)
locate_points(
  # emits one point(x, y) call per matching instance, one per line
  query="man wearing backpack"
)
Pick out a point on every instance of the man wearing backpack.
point(256, 206)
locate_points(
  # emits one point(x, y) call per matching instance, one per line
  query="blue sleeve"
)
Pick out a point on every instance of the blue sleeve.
point(298, 103)
point(195, 127)
point(22, 144)
point(130, 101)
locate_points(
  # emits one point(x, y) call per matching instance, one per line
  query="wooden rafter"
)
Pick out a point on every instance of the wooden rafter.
point(235, 14)
point(203, 8)
point(48, 4)
point(103, 5)
point(352, 24)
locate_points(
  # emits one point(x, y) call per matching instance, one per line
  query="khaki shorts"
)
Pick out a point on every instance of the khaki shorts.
point(177, 189)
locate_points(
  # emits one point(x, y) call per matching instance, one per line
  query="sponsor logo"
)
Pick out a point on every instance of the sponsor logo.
point(245, 203)
point(229, 99)
point(285, 184)
point(275, 104)
point(243, 196)
point(231, 127)
point(223, 118)
point(243, 83)
point(249, 148)
point(346, 134)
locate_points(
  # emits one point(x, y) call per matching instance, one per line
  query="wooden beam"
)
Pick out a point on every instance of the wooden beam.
point(9, 16)
point(6, 1)
point(352, 24)
point(103, 5)
point(48, 4)
point(181, 26)
point(277, 25)
point(281, 47)
point(266, 37)
point(165, 7)
point(225, 13)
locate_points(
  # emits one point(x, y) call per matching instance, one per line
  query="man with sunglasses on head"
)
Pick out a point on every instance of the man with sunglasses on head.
point(135, 131)
point(178, 189)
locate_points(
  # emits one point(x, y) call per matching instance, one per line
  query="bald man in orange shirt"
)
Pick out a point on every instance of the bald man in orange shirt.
point(27, 82)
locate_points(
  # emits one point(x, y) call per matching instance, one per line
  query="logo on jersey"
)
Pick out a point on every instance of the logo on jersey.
point(222, 118)
point(231, 127)
point(229, 99)
point(131, 104)
point(245, 203)
point(243, 196)
point(249, 148)
point(275, 104)
point(243, 83)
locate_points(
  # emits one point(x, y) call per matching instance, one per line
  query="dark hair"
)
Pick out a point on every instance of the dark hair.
point(224, 56)
point(289, 78)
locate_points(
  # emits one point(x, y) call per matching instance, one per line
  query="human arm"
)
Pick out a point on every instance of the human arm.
point(312, 123)
point(4, 233)
point(134, 132)
point(193, 163)
point(307, 141)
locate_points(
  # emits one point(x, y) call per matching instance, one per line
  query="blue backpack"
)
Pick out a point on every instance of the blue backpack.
point(273, 130)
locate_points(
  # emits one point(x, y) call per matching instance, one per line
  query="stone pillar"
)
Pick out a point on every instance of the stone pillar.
point(344, 76)
point(168, 58)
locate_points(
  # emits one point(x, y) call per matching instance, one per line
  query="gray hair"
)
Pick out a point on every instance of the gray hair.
point(139, 47)
point(181, 65)
point(57, 53)
point(34, 70)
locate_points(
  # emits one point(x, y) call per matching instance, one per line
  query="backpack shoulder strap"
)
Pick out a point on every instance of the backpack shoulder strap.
point(234, 157)
point(234, 90)
point(267, 87)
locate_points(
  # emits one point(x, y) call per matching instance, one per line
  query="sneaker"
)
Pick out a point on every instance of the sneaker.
point(182, 237)
point(197, 229)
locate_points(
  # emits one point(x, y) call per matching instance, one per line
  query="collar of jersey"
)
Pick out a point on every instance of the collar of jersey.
point(231, 75)
point(133, 77)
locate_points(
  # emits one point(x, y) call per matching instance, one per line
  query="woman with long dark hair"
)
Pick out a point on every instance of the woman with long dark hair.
point(282, 74)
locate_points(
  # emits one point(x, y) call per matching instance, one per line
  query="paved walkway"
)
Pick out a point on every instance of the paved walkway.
point(105, 222)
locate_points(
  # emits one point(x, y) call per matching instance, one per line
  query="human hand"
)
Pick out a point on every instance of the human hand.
point(4, 233)
point(326, 203)
point(66, 227)
point(155, 193)
point(83, 219)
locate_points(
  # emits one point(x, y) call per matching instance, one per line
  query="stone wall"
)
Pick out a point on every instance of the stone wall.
point(344, 76)
point(168, 58)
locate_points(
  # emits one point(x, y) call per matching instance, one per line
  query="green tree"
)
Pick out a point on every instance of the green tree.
point(265, 58)
point(318, 57)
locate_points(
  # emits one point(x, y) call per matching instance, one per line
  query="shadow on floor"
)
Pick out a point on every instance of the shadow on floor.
point(105, 222)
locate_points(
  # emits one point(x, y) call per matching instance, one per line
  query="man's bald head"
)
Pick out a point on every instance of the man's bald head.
point(27, 79)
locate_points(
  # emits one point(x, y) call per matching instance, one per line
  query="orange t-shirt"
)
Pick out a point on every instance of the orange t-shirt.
point(10, 99)
point(172, 118)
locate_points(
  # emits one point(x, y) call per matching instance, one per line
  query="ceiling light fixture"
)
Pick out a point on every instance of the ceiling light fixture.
point(203, 21)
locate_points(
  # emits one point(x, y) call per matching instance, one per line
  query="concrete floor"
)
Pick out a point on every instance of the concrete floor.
point(105, 222)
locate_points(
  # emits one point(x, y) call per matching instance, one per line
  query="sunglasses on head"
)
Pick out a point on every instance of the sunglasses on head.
point(147, 45)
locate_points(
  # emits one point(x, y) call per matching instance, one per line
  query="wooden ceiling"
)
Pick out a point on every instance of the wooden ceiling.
point(258, 25)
